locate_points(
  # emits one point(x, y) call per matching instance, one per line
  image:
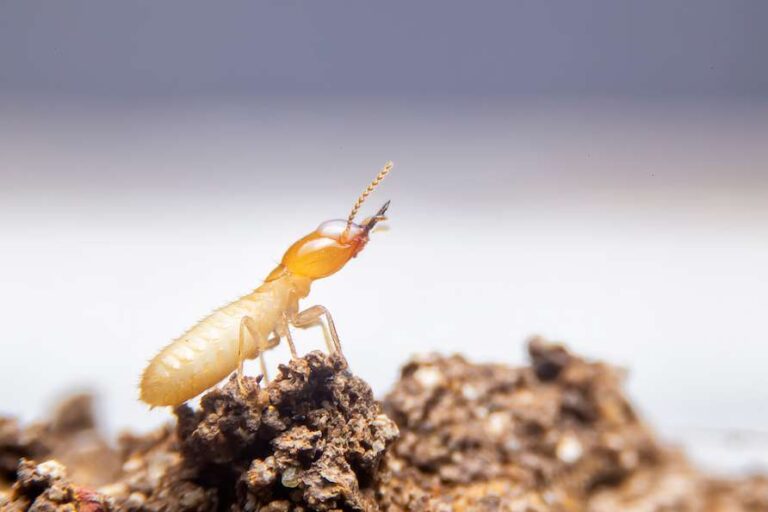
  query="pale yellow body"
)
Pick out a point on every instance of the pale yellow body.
point(208, 352)
point(255, 323)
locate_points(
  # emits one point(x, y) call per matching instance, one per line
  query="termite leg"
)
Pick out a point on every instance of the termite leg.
point(311, 316)
point(327, 337)
point(241, 352)
point(248, 324)
point(263, 365)
point(291, 345)
point(271, 343)
point(289, 337)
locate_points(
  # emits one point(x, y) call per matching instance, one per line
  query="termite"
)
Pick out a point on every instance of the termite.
point(246, 328)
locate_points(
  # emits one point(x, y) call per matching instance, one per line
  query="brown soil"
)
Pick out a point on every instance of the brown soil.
point(558, 435)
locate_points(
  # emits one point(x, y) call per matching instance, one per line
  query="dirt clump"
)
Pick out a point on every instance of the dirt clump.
point(311, 440)
point(558, 436)
point(44, 487)
point(70, 435)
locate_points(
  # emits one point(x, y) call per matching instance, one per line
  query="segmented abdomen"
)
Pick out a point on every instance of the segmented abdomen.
point(207, 352)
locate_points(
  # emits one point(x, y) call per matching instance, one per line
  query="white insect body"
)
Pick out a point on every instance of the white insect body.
point(247, 327)
point(208, 352)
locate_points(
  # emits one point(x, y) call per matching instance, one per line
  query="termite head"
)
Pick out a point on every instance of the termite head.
point(327, 249)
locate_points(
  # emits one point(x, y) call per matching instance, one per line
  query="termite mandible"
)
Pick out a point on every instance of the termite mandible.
point(247, 327)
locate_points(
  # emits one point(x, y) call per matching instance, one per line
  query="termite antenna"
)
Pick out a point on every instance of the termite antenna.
point(360, 200)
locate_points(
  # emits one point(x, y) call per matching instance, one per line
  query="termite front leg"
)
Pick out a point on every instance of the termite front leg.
point(311, 316)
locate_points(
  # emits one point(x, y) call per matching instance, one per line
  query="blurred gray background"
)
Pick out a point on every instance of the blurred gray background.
point(594, 172)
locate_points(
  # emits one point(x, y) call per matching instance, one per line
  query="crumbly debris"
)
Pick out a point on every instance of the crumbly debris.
point(70, 436)
point(557, 431)
point(311, 440)
point(746, 495)
point(676, 486)
point(44, 487)
point(17, 443)
point(557, 436)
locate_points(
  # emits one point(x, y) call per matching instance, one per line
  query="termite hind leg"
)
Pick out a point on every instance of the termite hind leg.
point(311, 316)
point(244, 327)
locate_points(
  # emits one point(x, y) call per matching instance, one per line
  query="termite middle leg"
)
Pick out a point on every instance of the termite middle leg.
point(288, 337)
point(311, 316)
point(263, 366)
point(271, 343)
point(248, 325)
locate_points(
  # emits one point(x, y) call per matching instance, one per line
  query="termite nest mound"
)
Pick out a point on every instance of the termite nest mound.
point(311, 440)
point(557, 435)
point(545, 437)
point(560, 429)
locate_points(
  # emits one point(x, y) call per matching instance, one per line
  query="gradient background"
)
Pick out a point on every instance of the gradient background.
point(594, 172)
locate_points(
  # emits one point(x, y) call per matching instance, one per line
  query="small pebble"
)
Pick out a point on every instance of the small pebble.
point(498, 423)
point(428, 376)
point(470, 392)
point(290, 478)
point(569, 449)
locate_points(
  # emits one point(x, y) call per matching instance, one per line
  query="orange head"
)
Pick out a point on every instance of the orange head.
point(328, 248)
